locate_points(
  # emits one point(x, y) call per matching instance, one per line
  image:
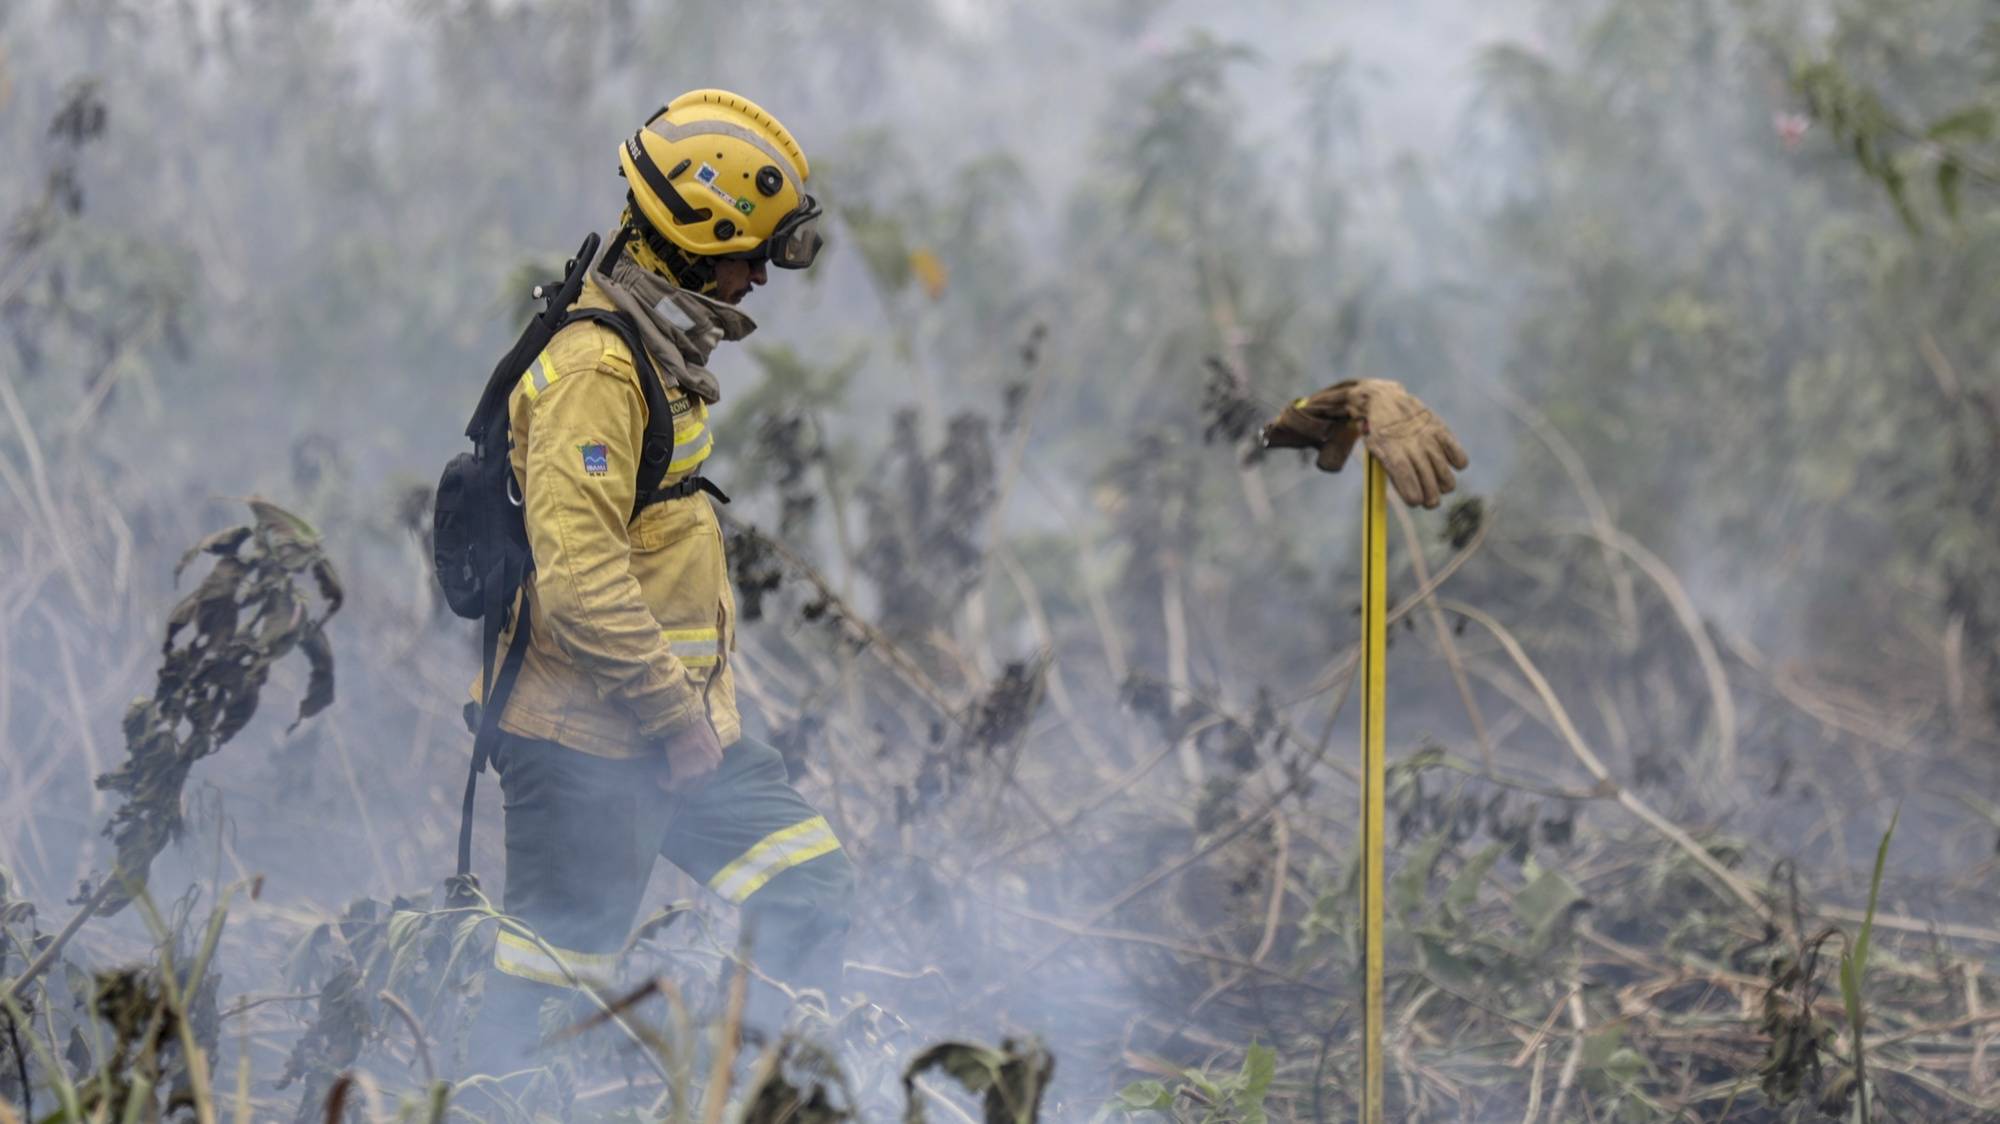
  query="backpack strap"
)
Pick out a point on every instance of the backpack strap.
point(500, 587)
point(656, 454)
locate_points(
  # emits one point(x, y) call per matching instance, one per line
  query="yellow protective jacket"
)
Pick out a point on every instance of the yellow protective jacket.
point(632, 619)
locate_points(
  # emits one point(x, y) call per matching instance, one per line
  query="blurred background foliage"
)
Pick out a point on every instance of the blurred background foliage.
point(1714, 279)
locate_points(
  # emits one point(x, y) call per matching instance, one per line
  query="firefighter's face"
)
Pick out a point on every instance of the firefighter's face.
point(734, 278)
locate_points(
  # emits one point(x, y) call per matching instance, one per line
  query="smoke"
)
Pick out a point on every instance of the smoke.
point(286, 261)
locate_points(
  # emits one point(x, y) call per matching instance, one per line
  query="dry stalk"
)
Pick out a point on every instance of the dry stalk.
point(1535, 1085)
point(1704, 648)
point(1979, 1043)
point(1446, 643)
point(1906, 924)
point(79, 710)
point(1045, 639)
point(54, 525)
point(1273, 914)
point(1593, 501)
point(1130, 936)
point(1536, 1040)
point(1567, 1079)
point(1093, 591)
point(54, 948)
point(1834, 714)
point(1173, 612)
point(729, 1039)
point(417, 1037)
point(1343, 665)
point(836, 495)
point(1559, 718)
point(1953, 652)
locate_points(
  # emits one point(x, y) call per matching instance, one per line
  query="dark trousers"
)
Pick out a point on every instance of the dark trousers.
point(582, 834)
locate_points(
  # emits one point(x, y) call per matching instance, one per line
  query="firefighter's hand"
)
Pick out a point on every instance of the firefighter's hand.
point(692, 754)
point(1417, 449)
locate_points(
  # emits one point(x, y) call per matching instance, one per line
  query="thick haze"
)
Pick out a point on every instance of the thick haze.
point(306, 231)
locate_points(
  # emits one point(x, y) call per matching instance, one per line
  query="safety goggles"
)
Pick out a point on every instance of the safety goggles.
point(793, 243)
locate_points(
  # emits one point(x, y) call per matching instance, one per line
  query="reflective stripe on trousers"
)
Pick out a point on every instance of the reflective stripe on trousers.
point(516, 955)
point(773, 855)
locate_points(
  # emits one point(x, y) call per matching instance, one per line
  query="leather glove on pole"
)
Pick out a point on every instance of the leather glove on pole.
point(1416, 448)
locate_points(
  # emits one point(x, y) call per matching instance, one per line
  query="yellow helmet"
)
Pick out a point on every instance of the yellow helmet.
point(717, 176)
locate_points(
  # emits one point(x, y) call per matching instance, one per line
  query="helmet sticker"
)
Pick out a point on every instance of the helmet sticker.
point(707, 174)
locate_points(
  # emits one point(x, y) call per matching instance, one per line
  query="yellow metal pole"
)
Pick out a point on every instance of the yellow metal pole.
point(1374, 649)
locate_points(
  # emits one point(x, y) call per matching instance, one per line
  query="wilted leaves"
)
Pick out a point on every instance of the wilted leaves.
point(1237, 1098)
point(1012, 1078)
point(1002, 716)
point(221, 642)
point(334, 1041)
point(799, 1083)
point(1229, 411)
point(926, 516)
point(1799, 1038)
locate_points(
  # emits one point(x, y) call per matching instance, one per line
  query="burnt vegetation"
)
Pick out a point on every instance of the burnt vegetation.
point(1694, 789)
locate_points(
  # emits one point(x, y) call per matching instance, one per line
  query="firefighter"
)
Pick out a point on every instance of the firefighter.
point(620, 739)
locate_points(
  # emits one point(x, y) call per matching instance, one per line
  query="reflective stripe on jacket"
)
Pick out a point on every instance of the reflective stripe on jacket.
point(632, 618)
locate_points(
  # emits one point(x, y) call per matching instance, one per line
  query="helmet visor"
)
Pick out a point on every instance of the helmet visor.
point(798, 249)
point(793, 243)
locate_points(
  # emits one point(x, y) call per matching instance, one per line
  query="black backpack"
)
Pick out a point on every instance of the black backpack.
point(479, 533)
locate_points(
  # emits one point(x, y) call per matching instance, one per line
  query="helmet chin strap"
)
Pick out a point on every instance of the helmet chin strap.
point(655, 254)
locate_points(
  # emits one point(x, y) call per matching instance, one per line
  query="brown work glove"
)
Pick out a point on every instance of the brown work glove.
point(1418, 450)
point(692, 753)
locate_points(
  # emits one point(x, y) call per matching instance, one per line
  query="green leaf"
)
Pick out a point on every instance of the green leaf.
point(1850, 990)
point(1146, 1094)
point(1948, 174)
point(1209, 1089)
point(1260, 1066)
point(1624, 1066)
point(1464, 888)
point(1899, 195)
point(1406, 889)
point(1601, 1045)
point(1545, 898)
point(1972, 124)
point(1444, 961)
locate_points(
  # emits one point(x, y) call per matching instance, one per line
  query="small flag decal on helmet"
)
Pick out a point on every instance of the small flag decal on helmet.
point(596, 459)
